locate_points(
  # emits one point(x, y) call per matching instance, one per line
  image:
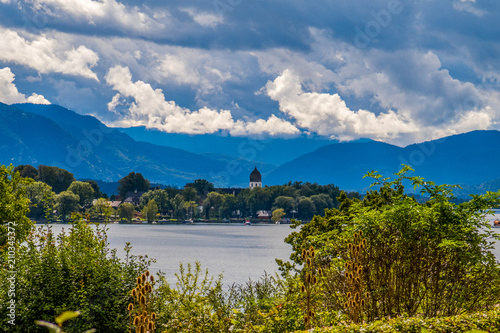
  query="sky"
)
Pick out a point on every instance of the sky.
point(389, 70)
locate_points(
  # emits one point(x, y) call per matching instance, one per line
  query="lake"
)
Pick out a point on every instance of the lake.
point(239, 252)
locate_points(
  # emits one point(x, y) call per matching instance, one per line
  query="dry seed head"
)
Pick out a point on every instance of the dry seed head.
point(358, 281)
point(306, 319)
point(139, 280)
point(130, 307)
point(349, 294)
point(356, 297)
point(315, 280)
point(367, 294)
point(320, 272)
point(147, 273)
point(361, 233)
point(311, 314)
point(152, 279)
point(143, 300)
point(134, 293)
point(303, 254)
point(153, 316)
point(303, 288)
point(312, 253)
point(143, 329)
point(150, 326)
point(362, 302)
point(308, 278)
point(137, 320)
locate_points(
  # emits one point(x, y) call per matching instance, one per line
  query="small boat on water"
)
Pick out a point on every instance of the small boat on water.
point(496, 223)
point(190, 221)
point(247, 223)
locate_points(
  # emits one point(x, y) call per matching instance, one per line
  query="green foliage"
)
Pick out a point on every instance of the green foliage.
point(101, 210)
point(126, 211)
point(14, 205)
point(72, 270)
point(278, 214)
point(57, 178)
point(430, 259)
point(42, 200)
point(189, 194)
point(150, 210)
point(133, 181)
point(467, 323)
point(84, 190)
point(212, 204)
point(27, 171)
point(66, 203)
point(202, 186)
point(159, 196)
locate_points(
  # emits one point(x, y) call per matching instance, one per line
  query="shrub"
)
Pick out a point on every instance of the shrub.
point(74, 270)
point(431, 259)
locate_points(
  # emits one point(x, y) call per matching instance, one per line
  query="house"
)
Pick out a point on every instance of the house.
point(264, 214)
point(134, 197)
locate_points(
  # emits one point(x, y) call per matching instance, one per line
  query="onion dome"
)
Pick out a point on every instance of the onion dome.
point(255, 176)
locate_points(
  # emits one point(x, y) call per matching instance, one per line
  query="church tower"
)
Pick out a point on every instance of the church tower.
point(255, 179)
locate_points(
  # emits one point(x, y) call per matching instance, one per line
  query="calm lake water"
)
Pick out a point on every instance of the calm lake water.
point(239, 252)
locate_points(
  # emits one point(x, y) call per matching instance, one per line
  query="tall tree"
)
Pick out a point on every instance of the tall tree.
point(126, 211)
point(95, 186)
point(14, 205)
point(84, 191)
point(159, 196)
point(59, 179)
point(133, 181)
point(42, 200)
point(66, 203)
point(189, 194)
point(150, 210)
point(202, 186)
point(27, 171)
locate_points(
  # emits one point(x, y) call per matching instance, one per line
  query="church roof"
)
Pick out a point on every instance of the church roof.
point(255, 176)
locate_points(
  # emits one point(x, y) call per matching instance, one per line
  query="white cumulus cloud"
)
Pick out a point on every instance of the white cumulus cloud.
point(328, 114)
point(9, 93)
point(150, 108)
point(47, 55)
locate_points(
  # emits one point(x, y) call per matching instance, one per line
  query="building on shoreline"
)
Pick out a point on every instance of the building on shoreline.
point(255, 179)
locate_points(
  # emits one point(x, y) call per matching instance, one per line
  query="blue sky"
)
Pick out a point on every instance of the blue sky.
point(393, 71)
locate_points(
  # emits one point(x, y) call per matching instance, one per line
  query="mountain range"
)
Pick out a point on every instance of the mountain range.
point(53, 135)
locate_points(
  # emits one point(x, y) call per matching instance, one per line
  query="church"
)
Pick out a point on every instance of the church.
point(255, 179)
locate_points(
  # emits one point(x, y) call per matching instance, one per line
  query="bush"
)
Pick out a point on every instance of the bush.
point(467, 323)
point(430, 259)
point(74, 270)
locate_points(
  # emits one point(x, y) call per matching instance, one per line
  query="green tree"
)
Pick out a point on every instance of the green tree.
point(278, 214)
point(27, 171)
point(160, 197)
point(101, 209)
point(212, 204)
point(66, 203)
point(57, 178)
point(202, 186)
point(14, 206)
point(259, 199)
point(189, 194)
point(42, 200)
point(126, 211)
point(73, 270)
point(178, 205)
point(97, 191)
point(150, 210)
point(322, 201)
point(133, 181)
point(229, 205)
point(84, 190)
point(306, 208)
point(429, 259)
point(285, 203)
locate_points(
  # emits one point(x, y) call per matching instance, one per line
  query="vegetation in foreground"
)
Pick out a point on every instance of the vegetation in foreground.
point(425, 265)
